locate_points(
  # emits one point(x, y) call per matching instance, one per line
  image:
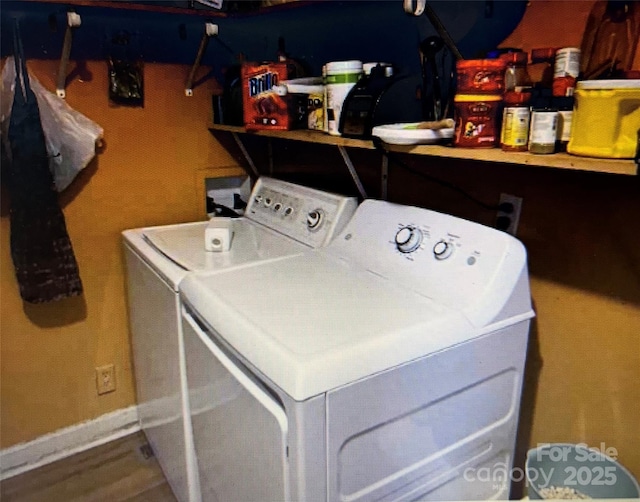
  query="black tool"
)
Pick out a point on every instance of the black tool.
point(431, 90)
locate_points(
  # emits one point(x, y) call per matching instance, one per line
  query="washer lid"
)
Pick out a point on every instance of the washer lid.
point(312, 322)
point(175, 249)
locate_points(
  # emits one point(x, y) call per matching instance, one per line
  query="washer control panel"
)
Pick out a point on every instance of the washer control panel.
point(310, 216)
point(453, 261)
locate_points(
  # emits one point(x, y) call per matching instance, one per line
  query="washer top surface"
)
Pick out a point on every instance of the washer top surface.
point(312, 323)
point(398, 283)
point(281, 219)
point(175, 250)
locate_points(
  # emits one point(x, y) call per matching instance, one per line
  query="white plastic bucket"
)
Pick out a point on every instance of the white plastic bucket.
point(340, 78)
point(575, 467)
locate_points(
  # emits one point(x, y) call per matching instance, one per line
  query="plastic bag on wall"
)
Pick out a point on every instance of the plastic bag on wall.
point(71, 137)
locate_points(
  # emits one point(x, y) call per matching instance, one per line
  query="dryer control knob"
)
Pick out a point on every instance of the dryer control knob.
point(442, 250)
point(315, 219)
point(408, 239)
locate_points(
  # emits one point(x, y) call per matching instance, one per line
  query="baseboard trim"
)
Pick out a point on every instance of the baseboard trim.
point(62, 443)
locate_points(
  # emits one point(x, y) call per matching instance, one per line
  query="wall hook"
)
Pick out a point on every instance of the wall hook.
point(210, 30)
point(73, 21)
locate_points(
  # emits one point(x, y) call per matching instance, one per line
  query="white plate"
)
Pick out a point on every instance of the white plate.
point(409, 134)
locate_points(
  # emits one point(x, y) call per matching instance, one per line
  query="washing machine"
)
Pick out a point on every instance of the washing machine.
point(385, 366)
point(281, 219)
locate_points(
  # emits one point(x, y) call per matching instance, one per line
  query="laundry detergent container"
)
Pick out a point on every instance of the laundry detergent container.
point(561, 471)
point(606, 119)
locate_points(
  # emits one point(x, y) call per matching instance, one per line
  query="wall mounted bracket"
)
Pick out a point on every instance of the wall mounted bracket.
point(210, 30)
point(342, 149)
point(245, 154)
point(73, 21)
point(352, 171)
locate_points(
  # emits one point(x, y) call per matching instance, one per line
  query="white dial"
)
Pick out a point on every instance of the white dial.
point(442, 250)
point(315, 219)
point(408, 239)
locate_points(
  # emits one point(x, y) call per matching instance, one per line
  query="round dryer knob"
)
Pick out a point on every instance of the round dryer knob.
point(408, 239)
point(315, 219)
point(442, 250)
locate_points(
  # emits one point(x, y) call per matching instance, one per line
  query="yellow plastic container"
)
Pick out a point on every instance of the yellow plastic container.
point(606, 119)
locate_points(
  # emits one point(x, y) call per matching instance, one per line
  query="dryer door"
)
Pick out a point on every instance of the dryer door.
point(239, 429)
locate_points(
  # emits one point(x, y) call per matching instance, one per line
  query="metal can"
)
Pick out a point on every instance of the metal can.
point(566, 71)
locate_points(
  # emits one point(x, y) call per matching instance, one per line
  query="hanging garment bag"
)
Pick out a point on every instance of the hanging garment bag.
point(43, 258)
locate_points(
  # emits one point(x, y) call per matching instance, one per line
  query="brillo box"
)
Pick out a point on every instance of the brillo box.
point(263, 107)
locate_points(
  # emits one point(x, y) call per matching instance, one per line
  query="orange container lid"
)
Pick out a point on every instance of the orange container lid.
point(466, 98)
point(516, 98)
point(519, 57)
point(480, 63)
point(544, 54)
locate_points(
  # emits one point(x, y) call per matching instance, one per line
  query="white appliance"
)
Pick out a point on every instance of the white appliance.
point(386, 366)
point(281, 219)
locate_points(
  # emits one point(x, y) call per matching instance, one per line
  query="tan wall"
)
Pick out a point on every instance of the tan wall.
point(554, 23)
point(583, 374)
point(151, 172)
point(584, 256)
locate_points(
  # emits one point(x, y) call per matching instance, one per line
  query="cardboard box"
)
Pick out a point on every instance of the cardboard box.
point(263, 107)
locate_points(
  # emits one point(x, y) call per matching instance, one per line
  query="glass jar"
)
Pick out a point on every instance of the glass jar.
point(543, 130)
point(565, 118)
point(516, 76)
point(542, 61)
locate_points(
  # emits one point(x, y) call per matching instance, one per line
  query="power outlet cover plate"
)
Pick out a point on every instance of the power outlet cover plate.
point(513, 217)
point(105, 379)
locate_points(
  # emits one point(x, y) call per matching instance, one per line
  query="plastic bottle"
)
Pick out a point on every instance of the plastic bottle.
point(514, 135)
point(477, 120)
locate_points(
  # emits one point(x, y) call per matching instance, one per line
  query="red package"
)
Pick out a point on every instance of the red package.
point(263, 108)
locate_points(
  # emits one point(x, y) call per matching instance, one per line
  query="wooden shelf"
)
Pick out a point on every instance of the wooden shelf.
point(494, 155)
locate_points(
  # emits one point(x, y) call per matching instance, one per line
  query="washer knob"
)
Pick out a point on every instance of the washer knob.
point(408, 239)
point(442, 250)
point(315, 219)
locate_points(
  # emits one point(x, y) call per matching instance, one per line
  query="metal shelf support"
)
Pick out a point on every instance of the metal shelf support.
point(384, 177)
point(73, 21)
point(345, 156)
point(210, 30)
point(245, 154)
point(352, 171)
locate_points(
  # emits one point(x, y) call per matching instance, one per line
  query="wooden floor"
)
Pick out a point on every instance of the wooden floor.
point(122, 470)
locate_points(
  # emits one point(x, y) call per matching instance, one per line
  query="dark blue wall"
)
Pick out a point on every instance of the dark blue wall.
point(314, 33)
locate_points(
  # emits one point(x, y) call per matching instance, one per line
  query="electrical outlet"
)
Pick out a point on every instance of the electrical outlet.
point(507, 218)
point(105, 379)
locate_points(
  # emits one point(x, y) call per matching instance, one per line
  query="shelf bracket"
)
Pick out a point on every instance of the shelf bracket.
point(73, 21)
point(246, 155)
point(352, 171)
point(210, 30)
